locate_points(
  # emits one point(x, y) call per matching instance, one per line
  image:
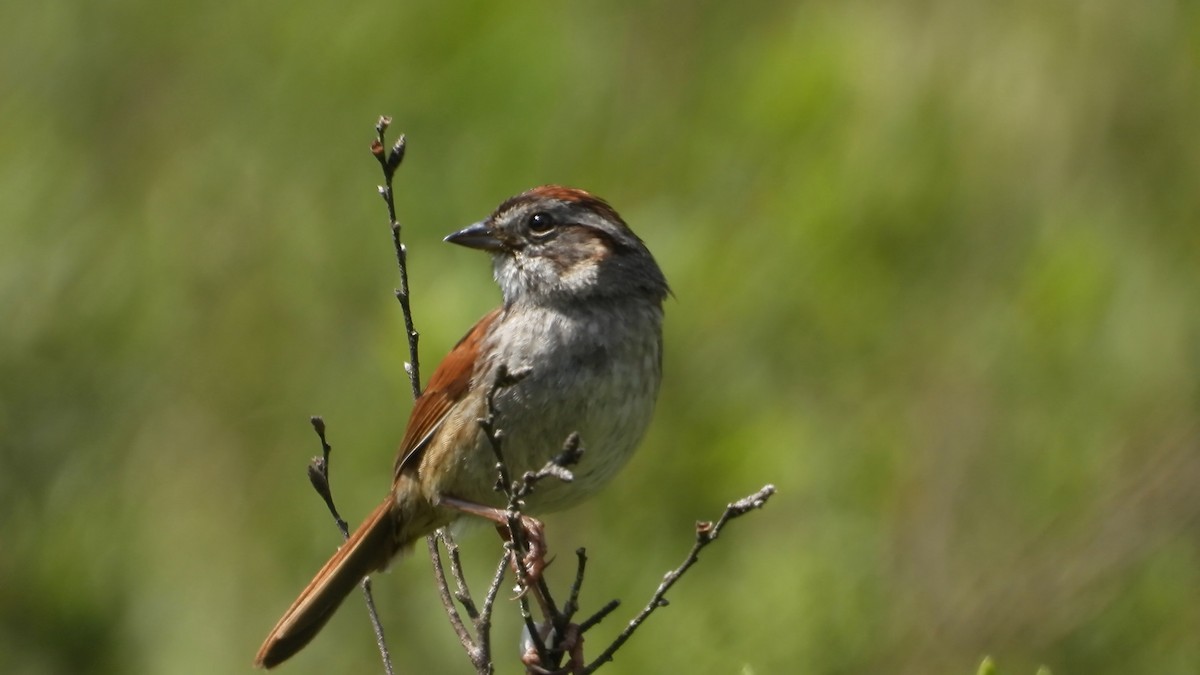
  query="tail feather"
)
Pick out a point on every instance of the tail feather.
point(369, 549)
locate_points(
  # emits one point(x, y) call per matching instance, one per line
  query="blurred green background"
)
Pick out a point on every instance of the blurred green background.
point(935, 267)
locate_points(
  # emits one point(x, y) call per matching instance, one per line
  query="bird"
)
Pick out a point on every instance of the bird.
point(581, 320)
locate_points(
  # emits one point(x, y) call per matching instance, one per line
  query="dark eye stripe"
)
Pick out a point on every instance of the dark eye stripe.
point(612, 243)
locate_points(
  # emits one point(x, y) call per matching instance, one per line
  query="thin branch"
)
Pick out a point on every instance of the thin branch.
point(460, 579)
point(706, 533)
point(572, 605)
point(477, 648)
point(389, 161)
point(557, 467)
point(439, 573)
point(600, 615)
point(483, 626)
point(503, 379)
point(318, 475)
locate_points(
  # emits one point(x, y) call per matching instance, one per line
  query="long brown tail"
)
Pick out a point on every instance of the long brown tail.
point(369, 549)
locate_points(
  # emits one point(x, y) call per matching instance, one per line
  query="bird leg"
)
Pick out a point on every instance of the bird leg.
point(533, 562)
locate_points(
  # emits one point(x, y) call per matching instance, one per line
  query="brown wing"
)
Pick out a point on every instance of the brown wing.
point(447, 387)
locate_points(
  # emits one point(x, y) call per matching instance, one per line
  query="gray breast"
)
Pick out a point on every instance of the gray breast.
point(588, 372)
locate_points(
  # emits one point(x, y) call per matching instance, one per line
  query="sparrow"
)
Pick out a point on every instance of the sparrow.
point(581, 319)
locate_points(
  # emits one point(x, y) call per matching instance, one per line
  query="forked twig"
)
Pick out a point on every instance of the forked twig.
point(706, 533)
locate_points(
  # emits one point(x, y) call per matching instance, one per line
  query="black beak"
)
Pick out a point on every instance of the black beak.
point(477, 236)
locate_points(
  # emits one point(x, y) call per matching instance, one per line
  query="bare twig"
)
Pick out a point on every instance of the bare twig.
point(600, 615)
point(477, 647)
point(504, 378)
point(571, 453)
point(439, 574)
point(572, 605)
point(460, 579)
point(389, 161)
point(318, 475)
point(483, 626)
point(706, 533)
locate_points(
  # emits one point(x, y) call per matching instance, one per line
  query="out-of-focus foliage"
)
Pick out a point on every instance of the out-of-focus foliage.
point(988, 667)
point(935, 273)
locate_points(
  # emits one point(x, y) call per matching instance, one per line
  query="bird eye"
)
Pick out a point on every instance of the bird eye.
point(540, 223)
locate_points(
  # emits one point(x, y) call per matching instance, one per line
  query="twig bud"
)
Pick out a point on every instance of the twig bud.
point(397, 154)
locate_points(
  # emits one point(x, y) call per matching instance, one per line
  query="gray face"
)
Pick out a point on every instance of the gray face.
point(555, 244)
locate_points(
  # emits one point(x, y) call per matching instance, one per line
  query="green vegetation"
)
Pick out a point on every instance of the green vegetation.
point(936, 277)
point(988, 667)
